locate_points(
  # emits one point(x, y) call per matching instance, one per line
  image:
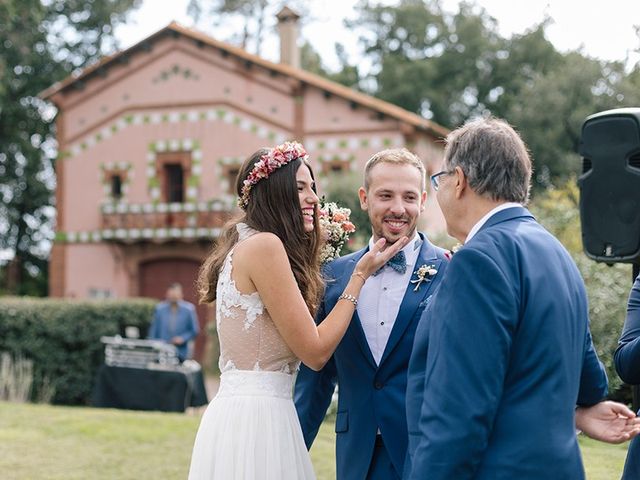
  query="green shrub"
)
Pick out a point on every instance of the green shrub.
point(62, 338)
point(607, 286)
point(608, 290)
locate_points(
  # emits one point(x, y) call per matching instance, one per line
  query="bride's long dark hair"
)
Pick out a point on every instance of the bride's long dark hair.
point(273, 206)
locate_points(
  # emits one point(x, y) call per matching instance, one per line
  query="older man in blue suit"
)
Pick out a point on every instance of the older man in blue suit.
point(370, 363)
point(509, 350)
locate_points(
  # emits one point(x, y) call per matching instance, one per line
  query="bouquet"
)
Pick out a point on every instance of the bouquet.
point(335, 227)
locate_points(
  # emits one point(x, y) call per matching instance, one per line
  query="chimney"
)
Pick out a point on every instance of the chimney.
point(288, 29)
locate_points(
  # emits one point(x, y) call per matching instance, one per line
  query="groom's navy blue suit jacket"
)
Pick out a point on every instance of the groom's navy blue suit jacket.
point(371, 396)
point(509, 356)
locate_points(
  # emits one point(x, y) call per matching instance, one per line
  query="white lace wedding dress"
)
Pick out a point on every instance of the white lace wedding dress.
point(250, 430)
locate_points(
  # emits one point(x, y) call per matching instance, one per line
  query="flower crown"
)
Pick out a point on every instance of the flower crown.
point(275, 158)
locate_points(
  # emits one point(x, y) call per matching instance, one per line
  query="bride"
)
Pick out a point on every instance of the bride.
point(264, 276)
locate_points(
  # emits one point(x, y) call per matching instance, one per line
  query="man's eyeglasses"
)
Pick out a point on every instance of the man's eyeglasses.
point(435, 178)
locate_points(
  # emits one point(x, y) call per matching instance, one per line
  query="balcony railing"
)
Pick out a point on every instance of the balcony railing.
point(163, 221)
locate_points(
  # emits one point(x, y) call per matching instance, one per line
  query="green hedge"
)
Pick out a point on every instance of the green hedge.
point(607, 286)
point(62, 338)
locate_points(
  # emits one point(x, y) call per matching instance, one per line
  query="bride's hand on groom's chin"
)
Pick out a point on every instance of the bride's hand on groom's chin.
point(375, 258)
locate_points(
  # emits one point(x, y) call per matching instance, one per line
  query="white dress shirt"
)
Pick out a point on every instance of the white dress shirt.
point(380, 299)
point(491, 213)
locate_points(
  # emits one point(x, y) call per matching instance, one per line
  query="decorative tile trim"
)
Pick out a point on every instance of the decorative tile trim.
point(222, 178)
point(113, 168)
point(222, 205)
point(174, 145)
point(214, 115)
point(341, 157)
point(176, 71)
point(230, 117)
point(354, 143)
point(136, 234)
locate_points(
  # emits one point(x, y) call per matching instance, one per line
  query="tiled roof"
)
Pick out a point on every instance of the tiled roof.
point(303, 76)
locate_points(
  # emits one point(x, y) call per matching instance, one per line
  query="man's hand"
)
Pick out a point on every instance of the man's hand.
point(177, 340)
point(608, 421)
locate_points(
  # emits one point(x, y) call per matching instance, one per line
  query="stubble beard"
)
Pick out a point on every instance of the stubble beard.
point(378, 234)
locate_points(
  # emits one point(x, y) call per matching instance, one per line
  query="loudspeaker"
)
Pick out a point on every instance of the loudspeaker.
point(610, 186)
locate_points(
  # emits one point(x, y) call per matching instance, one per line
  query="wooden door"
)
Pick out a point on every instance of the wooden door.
point(156, 275)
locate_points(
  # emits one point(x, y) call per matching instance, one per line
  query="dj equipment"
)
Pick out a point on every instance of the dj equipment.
point(127, 352)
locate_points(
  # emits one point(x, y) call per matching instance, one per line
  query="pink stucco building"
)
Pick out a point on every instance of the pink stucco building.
point(150, 140)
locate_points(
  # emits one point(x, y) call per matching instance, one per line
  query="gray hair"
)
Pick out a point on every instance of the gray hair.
point(399, 156)
point(493, 157)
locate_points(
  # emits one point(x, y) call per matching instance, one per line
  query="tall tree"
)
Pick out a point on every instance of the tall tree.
point(40, 42)
point(429, 61)
point(347, 73)
point(455, 66)
point(550, 108)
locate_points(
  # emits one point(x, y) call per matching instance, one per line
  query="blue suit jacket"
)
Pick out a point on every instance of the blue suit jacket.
point(186, 325)
point(627, 358)
point(509, 356)
point(371, 396)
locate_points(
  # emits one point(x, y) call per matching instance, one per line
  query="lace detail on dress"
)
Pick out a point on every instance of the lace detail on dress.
point(244, 231)
point(231, 297)
point(249, 340)
point(228, 366)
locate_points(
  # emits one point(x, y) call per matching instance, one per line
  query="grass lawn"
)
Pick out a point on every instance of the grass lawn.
point(56, 443)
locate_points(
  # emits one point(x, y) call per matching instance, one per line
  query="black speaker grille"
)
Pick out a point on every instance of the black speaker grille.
point(586, 165)
point(634, 161)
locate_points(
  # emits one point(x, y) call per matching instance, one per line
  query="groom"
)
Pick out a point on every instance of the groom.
point(509, 350)
point(370, 363)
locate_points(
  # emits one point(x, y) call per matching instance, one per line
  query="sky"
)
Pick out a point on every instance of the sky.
point(603, 30)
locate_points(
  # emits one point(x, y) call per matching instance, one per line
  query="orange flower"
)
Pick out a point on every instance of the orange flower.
point(348, 227)
point(339, 217)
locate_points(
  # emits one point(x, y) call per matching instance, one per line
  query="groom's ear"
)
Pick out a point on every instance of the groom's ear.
point(362, 194)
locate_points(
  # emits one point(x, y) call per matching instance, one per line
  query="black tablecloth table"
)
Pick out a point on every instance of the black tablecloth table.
point(148, 389)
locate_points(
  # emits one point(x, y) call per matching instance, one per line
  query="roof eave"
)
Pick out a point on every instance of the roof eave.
point(303, 76)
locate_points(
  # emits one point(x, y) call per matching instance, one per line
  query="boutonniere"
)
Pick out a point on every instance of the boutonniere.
point(425, 273)
point(453, 250)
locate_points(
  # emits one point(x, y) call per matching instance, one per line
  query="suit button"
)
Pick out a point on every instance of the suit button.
point(378, 385)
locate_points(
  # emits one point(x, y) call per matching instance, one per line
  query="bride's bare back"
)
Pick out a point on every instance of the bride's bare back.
point(249, 340)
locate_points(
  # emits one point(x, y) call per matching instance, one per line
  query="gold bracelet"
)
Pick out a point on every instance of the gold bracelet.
point(359, 274)
point(351, 298)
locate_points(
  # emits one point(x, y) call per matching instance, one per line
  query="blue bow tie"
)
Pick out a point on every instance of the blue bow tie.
point(398, 262)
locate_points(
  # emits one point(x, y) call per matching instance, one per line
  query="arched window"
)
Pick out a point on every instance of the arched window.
point(336, 166)
point(231, 174)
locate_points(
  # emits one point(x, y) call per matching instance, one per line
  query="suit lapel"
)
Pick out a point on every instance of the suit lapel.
point(412, 298)
point(355, 327)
